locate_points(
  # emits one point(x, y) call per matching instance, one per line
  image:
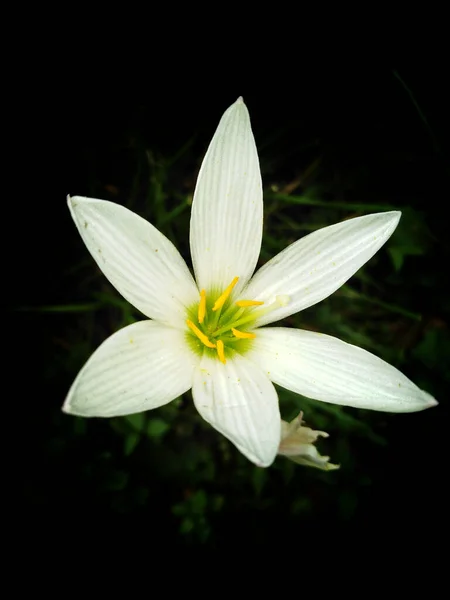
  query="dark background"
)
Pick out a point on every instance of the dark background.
point(377, 142)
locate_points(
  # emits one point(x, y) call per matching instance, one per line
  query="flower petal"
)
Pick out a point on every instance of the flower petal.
point(140, 262)
point(227, 210)
point(324, 368)
point(317, 265)
point(239, 401)
point(142, 366)
point(309, 456)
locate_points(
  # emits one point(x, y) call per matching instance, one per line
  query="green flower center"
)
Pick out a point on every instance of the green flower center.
point(219, 327)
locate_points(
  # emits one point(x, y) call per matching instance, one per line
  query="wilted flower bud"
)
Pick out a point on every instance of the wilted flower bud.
point(297, 443)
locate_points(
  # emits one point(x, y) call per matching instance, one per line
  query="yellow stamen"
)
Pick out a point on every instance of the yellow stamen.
point(223, 298)
point(221, 352)
point(242, 335)
point(201, 336)
point(202, 307)
point(246, 303)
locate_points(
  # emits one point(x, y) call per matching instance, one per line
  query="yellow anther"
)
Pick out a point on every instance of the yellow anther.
point(242, 335)
point(221, 352)
point(223, 298)
point(202, 307)
point(201, 336)
point(246, 303)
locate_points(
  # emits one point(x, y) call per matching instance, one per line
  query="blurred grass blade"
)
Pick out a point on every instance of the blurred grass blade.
point(348, 292)
point(308, 201)
point(62, 308)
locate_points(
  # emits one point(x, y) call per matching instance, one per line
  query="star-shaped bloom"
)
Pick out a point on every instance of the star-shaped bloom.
point(207, 334)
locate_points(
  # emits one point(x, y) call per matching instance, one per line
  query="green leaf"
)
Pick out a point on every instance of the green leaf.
point(259, 480)
point(411, 238)
point(137, 421)
point(156, 428)
point(130, 443)
point(432, 348)
point(117, 481)
point(198, 502)
point(79, 426)
point(396, 257)
point(187, 525)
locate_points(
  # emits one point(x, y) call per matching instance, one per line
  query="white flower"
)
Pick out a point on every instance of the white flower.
point(297, 443)
point(205, 334)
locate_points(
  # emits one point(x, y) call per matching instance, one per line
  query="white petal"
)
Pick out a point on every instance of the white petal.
point(140, 262)
point(324, 368)
point(142, 366)
point(238, 400)
point(317, 265)
point(310, 457)
point(227, 210)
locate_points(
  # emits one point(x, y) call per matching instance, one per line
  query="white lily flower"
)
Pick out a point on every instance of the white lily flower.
point(297, 443)
point(205, 334)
